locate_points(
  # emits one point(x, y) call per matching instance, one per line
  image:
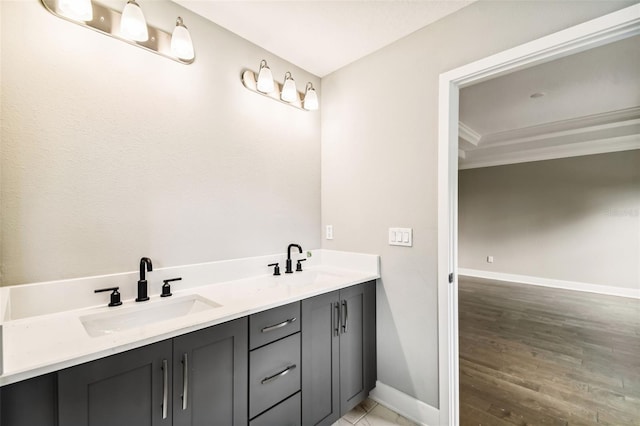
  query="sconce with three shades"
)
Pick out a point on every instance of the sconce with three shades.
point(286, 92)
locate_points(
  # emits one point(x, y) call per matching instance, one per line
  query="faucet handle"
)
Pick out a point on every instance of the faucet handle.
point(299, 265)
point(276, 269)
point(166, 287)
point(115, 296)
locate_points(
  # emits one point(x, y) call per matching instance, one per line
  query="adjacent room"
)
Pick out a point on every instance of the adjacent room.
point(549, 242)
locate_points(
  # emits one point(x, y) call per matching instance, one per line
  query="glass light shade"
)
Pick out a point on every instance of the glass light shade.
point(310, 102)
point(289, 91)
point(181, 44)
point(78, 10)
point(265, 78)
point(132, 24)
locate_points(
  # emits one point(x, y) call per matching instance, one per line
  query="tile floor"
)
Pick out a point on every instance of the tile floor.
point(370, 413)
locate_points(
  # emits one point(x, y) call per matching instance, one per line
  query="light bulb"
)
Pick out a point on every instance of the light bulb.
point(289, 91)
point(132, 24)
point(181, 44)
point(265, 78)
point(78, 10)
point(310, 102)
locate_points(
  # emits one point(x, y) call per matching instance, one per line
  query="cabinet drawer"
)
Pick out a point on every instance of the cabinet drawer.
point(274, 324)
point(287, 413)
point(274, 373)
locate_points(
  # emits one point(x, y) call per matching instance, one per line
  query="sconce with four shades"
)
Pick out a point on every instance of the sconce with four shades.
point(129, 26)
point(264, 84)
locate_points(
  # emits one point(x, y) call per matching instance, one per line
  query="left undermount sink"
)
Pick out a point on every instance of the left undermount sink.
point(137, 316)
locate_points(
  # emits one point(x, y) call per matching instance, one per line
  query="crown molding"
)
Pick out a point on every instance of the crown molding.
point(594, 134)
point(468, 134)
point(571, 126)
point(599, 146)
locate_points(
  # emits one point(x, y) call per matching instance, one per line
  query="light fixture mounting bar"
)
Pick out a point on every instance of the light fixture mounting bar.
point(107, 21)
point(250, 81)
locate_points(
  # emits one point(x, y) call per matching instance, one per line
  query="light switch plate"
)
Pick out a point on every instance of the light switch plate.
point(401, 237)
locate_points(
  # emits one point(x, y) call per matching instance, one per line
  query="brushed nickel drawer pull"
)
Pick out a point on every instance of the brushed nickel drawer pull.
point(165, 388)
point(278, 375)
point(277, 326)
point(346, 316)
point(185, 381)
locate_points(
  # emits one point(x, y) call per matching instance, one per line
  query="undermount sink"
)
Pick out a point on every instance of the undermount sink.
point(310, 278)
point(137, 316)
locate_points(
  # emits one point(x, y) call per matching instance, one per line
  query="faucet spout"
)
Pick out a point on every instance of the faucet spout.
point(289, 269)
point(145, 266)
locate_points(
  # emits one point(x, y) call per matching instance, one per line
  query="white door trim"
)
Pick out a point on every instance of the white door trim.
point(606, 29)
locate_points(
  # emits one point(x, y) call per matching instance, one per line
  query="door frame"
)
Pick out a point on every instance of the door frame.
point(603, 30)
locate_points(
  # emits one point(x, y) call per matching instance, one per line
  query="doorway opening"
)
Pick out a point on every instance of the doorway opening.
point(607, 29)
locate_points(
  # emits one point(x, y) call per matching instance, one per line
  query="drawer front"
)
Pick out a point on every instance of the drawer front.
point(287, 413)
point(274, 373)
point(274, 324)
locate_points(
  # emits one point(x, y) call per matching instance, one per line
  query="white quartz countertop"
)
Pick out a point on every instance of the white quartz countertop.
point(35, 344)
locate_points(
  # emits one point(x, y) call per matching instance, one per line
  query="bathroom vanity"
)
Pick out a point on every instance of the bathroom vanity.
point(295, 350)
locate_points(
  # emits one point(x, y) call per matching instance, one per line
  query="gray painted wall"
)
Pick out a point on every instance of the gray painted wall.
point(379, 165)
point(110, 153)
point(574, 219)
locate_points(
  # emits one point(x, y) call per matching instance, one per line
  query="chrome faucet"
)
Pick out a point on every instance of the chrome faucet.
point(289, 269)
point(145, 265)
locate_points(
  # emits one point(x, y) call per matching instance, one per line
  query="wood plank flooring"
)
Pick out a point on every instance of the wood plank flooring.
point(540, 356)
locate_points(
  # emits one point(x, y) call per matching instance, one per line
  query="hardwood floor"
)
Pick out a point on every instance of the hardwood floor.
point(540, 356)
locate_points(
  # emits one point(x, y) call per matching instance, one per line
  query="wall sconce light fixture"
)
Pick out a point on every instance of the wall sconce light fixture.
point(181, 44)
point(128, 26)
point(265, 78)
point(133, 25)
point(287, 93)
point(310, 102)
point(78, 10)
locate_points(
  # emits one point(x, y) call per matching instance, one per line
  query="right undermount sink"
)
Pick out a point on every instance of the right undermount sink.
point(121, 319)
point(305, 278)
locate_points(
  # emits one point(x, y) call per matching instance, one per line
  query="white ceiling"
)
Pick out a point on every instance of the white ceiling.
point(323, 36)
point(591, 104)
point(591, 101)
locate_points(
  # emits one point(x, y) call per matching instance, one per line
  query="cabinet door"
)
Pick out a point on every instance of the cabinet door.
point(125, 389)
point(30, 402)
point(357, 344)
point(320, 360)
point(211, 375)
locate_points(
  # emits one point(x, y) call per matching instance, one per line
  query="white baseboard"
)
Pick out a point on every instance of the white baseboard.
point(405, 405)
point(633, 293)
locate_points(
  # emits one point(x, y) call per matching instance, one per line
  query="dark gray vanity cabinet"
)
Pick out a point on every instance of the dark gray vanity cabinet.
point(305, 363)
point(196, 379)
point(338, 352)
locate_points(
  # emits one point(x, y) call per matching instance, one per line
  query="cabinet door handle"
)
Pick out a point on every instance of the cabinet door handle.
point(185, 380)
point(277, 326)
point(345, 310)
point(337, 318)
point(165, 388)
point(278, 375)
